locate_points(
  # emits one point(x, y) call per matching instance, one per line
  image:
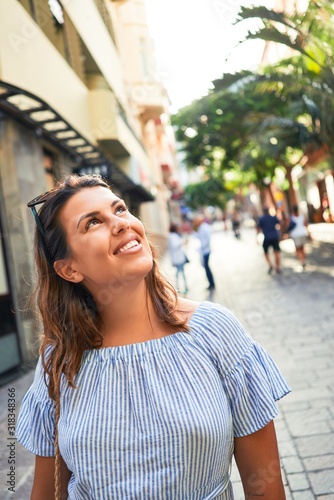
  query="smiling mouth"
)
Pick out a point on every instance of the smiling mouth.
point(129, 245)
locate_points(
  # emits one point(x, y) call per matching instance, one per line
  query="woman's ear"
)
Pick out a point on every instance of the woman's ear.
point(64, 269)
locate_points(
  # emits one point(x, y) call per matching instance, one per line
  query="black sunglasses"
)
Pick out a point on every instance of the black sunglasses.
point(32, 205)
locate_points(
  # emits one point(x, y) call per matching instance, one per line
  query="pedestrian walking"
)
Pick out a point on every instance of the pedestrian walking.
point(269, 225)
point(284, 221)
point(203, 233)
point(138, 393)
point(177, 254)
point(236, 222)
point(299, 233)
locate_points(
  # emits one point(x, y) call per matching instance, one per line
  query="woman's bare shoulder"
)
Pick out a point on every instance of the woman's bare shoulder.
point(187, 307)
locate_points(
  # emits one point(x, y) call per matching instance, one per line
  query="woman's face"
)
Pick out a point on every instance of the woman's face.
point(108, 245)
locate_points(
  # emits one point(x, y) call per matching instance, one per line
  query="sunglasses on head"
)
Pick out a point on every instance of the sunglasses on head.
point(32, 205)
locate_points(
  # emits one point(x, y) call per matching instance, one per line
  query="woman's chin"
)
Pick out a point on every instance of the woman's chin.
point(135, 272)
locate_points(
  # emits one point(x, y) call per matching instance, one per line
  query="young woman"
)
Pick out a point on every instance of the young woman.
point(299, 234)
point(177, 255)
point(138, 393)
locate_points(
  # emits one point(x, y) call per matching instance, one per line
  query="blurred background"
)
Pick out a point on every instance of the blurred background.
point(184, 107)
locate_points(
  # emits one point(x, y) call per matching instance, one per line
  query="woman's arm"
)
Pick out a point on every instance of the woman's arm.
point(44, 483)
point(258, 462)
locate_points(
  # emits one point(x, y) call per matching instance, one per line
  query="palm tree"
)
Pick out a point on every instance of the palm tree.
point(311, 33)
point(250, 124)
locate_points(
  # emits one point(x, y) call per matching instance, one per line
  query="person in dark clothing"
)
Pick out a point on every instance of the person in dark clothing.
point(236, 224)
point(269, 225)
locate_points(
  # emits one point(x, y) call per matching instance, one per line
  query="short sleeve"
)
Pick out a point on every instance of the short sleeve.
point(36, 421)
point(253, 386)
point(252, 381)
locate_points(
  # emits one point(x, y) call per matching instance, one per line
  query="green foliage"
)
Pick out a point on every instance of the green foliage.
point(233, 129)
point(210, 192)
point(311, 33)
point(253, 123)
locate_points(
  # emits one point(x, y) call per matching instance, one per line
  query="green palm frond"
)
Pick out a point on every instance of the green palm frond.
point(230, 79)
point(263, 13)
point(272, 34)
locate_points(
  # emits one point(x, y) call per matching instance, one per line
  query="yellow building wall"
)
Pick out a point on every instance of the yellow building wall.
point(108, 125)
point(30, 61)
point(86, 18)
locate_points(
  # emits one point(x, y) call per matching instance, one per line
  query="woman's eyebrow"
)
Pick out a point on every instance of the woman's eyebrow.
point(97, 212)
point(85, 216)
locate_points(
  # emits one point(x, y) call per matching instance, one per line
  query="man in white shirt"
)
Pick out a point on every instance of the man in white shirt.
point(203, 233)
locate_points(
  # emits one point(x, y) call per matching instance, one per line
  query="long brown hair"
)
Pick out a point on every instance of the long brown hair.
point(71, 319)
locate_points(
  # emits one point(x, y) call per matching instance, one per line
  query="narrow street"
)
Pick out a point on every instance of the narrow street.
point(292, 316)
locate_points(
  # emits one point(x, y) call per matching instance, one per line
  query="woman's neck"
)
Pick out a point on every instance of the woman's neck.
point(129, 317)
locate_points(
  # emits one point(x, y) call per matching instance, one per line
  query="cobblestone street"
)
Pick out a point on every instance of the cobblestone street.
point(292, 316)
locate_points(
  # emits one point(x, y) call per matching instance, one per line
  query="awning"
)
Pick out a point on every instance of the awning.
point(37, 115)
point(116, 177)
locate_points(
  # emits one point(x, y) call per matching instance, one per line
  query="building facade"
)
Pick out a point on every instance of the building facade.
point(78, 93)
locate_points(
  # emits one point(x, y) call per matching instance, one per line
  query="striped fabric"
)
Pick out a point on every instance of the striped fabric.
point(156, 420)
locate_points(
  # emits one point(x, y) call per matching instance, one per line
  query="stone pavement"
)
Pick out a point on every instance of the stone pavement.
point(292, 316)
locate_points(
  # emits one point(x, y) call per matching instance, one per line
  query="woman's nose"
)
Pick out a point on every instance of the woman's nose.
point(119, 225)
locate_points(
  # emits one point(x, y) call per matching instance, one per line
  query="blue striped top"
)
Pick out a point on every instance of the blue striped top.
point(156, 420)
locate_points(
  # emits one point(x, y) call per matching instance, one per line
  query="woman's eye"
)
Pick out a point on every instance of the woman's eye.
point(121, 208)
point(91, 223)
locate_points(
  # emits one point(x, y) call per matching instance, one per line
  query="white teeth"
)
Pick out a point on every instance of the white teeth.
point(131, 244)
